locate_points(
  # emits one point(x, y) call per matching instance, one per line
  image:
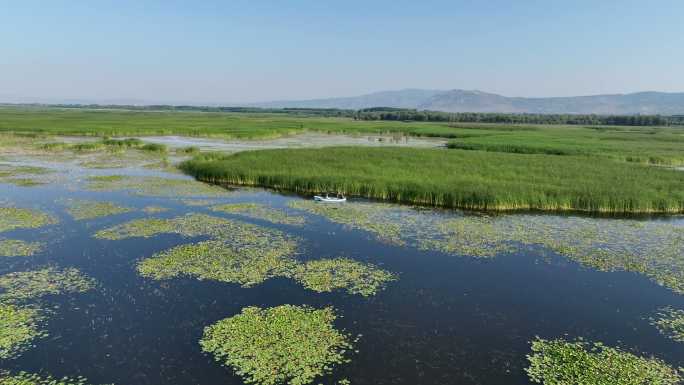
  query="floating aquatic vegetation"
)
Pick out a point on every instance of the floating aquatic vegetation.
point(670, 323)
point(190, 225)
point(19, 248)
point(198, 202)
point(24, 182)
point(154, 186)
point(326, 275)
point(259, 211)
point(10, 170)
point(363, 216)
point(242, 253)
point(238, 252)
point(559, 362)
point(281, 345)
point(652, 248)
point(18, 328)
point(24, 378)
point(144, 228)
point(23, 175)
point(154, 209)
point(85, 209)
point(219, 261)
point(15, 218)
point(25, 285)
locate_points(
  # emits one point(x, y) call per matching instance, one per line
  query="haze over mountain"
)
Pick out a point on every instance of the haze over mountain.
point(456, 100)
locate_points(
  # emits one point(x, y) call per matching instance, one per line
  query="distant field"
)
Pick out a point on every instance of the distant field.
point(655, 145)
point(211, 124)
point(455, 178)
point(633, 144)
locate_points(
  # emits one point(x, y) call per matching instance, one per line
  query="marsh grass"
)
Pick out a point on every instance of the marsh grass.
point(33, 284)
point(660, 145)
point(651, 145)
point(17, 218)
point(281, 345)
point(670, 323)
point(262, 212)
point(189, 150)
point(454, 178)
point(86, 209)
point(155, 186)
point(326, 275)
point(19, 327)
point(19, 248)
point(154, 147)
point(559, 362)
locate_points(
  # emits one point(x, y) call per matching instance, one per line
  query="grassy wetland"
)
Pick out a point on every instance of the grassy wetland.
point(117, 268)
point(460, 179)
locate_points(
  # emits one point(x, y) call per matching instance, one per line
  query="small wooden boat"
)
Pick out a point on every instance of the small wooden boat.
point(338, 198)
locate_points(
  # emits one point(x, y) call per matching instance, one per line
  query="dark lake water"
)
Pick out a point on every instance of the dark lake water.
point(447, 320)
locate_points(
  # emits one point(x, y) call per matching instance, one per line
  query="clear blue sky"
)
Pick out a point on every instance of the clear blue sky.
point(239, 51)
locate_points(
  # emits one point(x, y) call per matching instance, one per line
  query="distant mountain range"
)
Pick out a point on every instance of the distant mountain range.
point(662, 103)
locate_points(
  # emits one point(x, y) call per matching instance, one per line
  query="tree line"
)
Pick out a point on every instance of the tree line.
point(398, 114)
point(413, 115)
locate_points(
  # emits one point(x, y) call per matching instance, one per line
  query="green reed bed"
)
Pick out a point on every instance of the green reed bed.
point(559, 362)
point(465, 179)
point(260, 211)
point(653, 145)
point(651, 248)
point(18, 329)
point(81, 209)
point(19, 218)
point(155, 186)
point(106, 153)
point(281, 345)
point(670, 323)
point(19, 248)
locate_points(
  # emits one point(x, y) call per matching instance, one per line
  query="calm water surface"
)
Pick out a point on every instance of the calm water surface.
point(447, 320)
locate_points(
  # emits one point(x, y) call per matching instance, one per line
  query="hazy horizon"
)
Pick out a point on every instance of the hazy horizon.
point(245, 52)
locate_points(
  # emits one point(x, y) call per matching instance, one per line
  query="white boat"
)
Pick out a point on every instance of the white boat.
point(339, 198)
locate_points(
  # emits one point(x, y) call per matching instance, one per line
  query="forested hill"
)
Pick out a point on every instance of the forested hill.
point(651, 103)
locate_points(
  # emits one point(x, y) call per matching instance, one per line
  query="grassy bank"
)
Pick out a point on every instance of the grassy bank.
point(455, 178)
point(92, 122)
point(655, 145)
point(631, 144)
